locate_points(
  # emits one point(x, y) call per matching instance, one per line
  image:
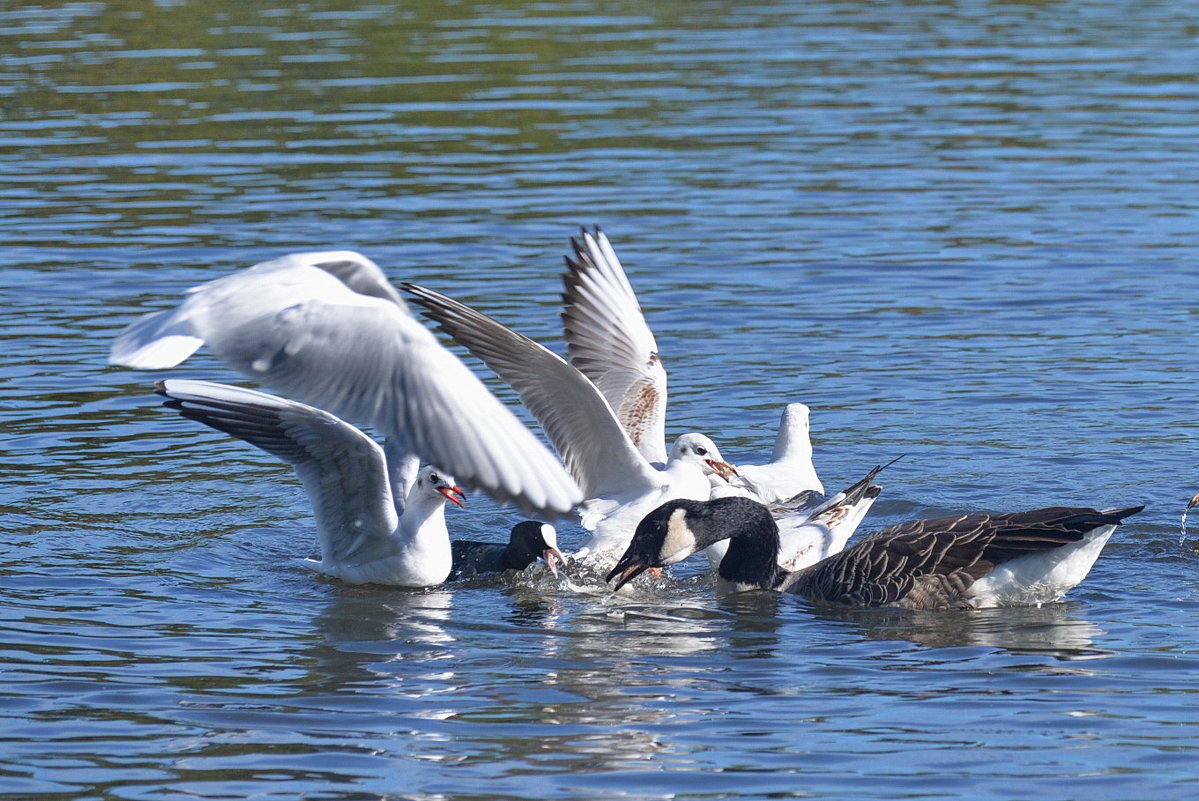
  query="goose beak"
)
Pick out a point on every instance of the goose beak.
point(628, 568)
point(453, 494)
point(722, 469)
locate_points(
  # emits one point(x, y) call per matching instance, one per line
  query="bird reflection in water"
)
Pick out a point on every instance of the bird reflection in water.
point(1052, 630)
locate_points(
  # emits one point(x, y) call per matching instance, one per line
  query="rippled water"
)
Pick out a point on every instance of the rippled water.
point(960, 232)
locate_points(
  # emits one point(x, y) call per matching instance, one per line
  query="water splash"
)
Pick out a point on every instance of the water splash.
point(1182, 534)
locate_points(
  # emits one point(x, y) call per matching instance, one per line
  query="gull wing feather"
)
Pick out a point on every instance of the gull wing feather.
point(165, 339)
point(342, 470)
point(576, 418)
point(295, 326)
point(608, 339)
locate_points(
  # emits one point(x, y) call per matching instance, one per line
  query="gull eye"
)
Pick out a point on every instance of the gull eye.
point(701, 450)
point(434, 478)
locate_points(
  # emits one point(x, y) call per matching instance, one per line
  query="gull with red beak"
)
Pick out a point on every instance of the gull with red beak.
point(610, 341)
point(365, 538)
point(620, 484)
point(326, 328)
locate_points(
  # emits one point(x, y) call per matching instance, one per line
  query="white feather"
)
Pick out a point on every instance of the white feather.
point(327, 329)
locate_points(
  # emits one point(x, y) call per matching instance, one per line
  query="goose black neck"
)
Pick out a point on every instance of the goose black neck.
point(752, 557)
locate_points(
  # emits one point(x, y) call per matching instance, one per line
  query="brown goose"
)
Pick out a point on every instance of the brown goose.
point(967, 561)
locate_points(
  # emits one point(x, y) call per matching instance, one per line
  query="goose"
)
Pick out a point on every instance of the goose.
point(326, 328)
point(619, 484)
point(528, 540)
point(363, 540)
point(960, 562)
point(610, 342)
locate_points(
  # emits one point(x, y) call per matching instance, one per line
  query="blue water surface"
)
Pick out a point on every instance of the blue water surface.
point(961, 232)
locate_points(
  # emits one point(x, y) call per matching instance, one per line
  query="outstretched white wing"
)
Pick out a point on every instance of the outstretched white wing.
point(608, 339)
point(575, 416)
point(354, 349)
point(342, 469)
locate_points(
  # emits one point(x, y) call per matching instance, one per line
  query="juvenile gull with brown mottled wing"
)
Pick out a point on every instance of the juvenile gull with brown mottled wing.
point(619, 483)
point(610, 342)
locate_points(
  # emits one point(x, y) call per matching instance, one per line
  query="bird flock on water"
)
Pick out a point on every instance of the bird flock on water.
point(342, 346)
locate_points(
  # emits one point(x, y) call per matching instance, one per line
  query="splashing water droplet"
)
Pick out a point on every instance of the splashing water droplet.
point(1182, 534)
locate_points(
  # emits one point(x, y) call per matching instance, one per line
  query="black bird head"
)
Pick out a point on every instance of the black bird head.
point(531, 539)
point(649, 546)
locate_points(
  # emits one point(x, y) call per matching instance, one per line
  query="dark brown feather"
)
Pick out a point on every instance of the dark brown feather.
point(927, 564)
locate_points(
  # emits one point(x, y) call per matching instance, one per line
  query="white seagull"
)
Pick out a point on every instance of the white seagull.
point(363, 538)
point(790, 471)
point(327, 329)
point(609, 340)
point(961, 562)
point(619, 483)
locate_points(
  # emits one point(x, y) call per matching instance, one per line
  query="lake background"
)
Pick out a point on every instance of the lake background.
point(964, 232)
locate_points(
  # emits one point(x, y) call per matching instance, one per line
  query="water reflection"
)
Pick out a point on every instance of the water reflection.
point(1054, 630)
point(361, 632)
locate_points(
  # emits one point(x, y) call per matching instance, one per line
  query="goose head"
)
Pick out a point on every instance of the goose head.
point(679, 528)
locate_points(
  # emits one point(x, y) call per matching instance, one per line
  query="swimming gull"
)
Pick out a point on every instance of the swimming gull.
point(327, 329)
point(344, 473)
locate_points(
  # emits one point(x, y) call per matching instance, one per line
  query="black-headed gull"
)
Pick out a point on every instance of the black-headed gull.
point(327, 329)
point(609, 340)
point(344, 473)
point(962, 562)
point(528, 541)
point(619, 483)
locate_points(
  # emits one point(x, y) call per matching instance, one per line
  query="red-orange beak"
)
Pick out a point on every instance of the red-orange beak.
point(454, 494)
point(722, 469)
